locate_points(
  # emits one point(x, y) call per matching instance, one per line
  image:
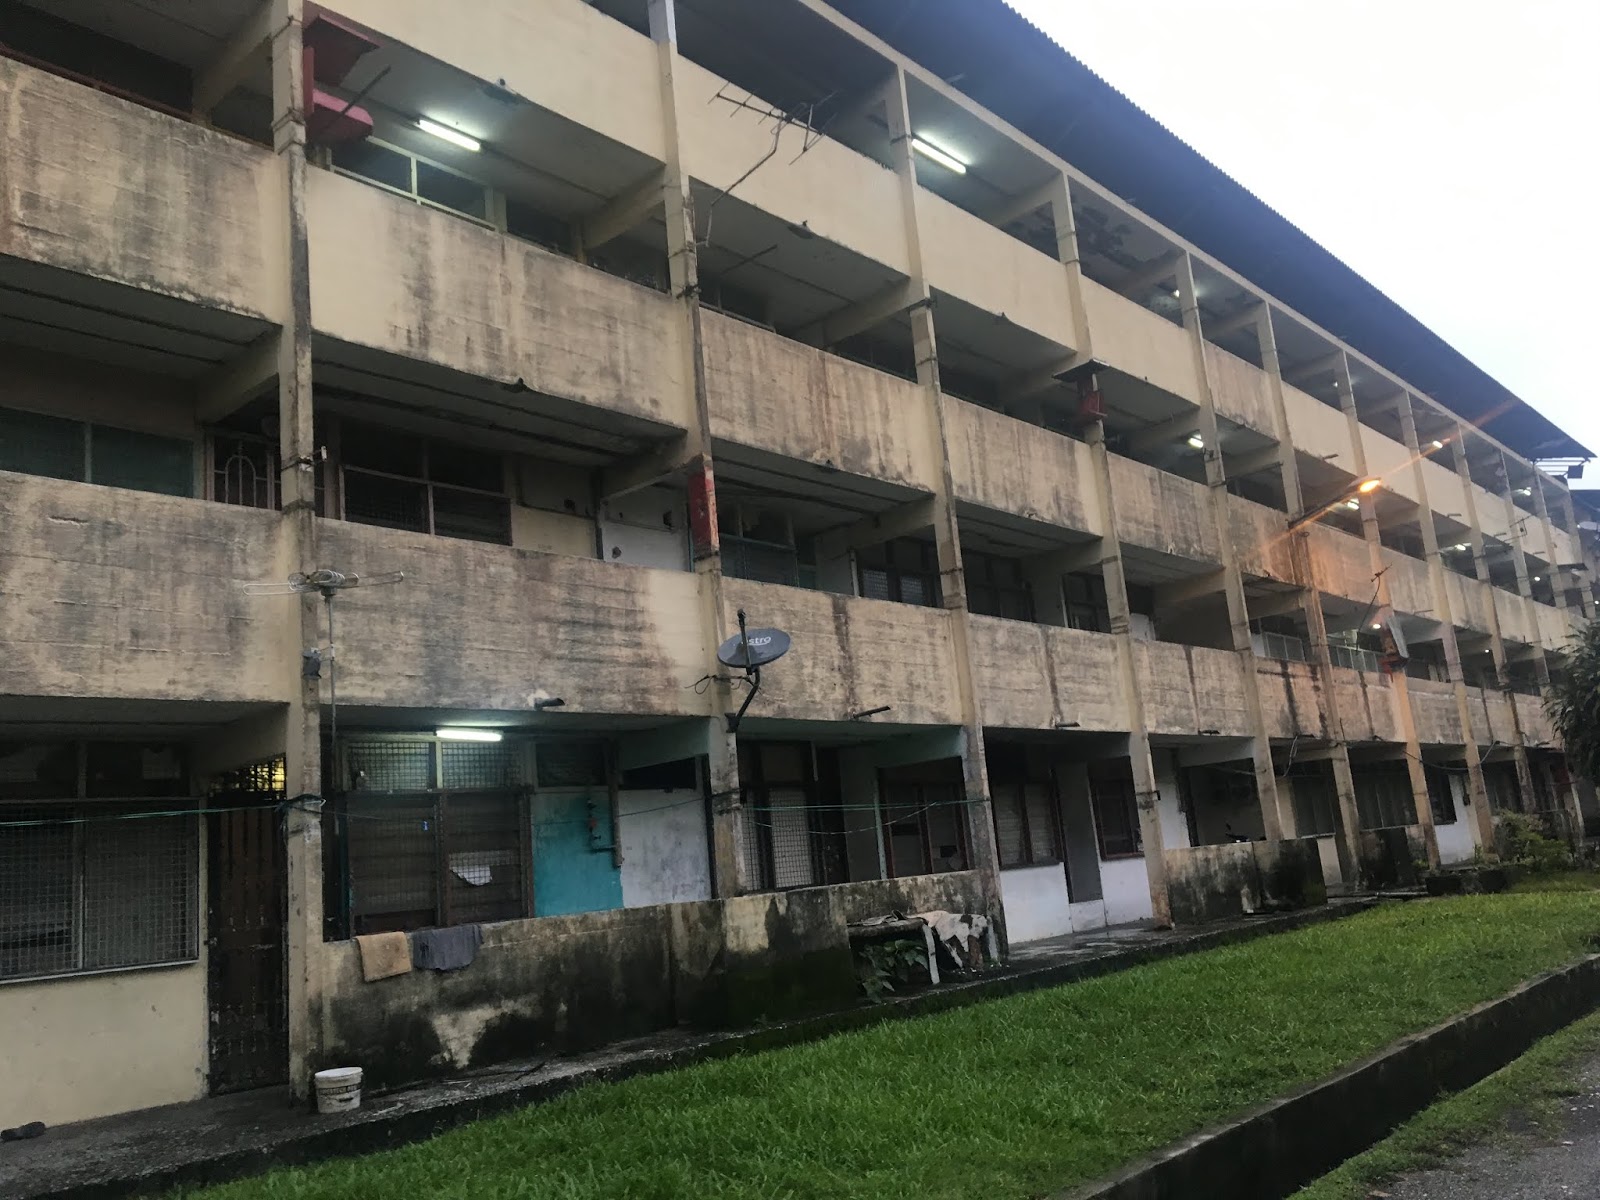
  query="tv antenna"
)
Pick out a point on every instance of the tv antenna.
point(750, 650)
point(327, 584)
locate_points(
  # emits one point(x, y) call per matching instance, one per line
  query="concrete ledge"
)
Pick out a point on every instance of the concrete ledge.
point(1273, 1150)
point(200, 1150)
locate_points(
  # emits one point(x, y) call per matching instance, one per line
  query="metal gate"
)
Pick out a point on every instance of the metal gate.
point(246, 970)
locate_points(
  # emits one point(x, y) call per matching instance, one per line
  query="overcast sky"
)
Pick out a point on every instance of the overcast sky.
point(1447, 151)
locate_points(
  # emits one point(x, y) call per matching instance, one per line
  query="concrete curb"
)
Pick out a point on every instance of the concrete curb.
point(1273, 1150)
point(367, 1130)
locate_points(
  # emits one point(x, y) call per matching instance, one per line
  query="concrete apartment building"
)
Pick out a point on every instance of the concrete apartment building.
point(1140, 561)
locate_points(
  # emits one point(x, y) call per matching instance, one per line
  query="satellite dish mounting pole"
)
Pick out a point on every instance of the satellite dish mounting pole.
point(753, 674)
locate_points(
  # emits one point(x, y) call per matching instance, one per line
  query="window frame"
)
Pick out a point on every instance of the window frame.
point(427, 445)
point(1106, 790)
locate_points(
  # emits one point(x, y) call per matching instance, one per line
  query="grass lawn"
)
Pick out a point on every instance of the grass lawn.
point(1007, 1098)
point(1533, 1085)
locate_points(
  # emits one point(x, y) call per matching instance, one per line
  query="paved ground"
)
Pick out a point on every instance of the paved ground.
point(1532, 1164)
point(230, 1136)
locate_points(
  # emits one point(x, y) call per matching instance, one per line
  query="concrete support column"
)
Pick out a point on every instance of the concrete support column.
point(299, 552)
point(1233, 579)
point(1559, 581)
point(1478, 789)
point(729, 871)
point(947, 533)
point(1516, 522)
point(1585, 585)
point(1440, 591)
point(1385, 611)
point(1066, 227)
point(1349, 833)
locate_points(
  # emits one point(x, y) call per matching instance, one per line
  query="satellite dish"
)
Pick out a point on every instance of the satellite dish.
point(753, 648)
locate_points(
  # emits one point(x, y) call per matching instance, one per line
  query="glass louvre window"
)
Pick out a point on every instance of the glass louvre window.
point(403, 481)
point(1314, 805)
point(904, 570)
point(1383, 799)
point(1116, 813)
point(1025, 824)
point(1086, 603)
point(58, 448)
point(91, 884)
point(411, 175)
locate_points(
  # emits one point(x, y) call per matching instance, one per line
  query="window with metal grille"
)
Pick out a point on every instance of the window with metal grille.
point(58, 448)
point(1383, 798)
point(244, 471)
point(924, 823)
point(1116, 812)
point(430, 833)
point(758, 543)
point(91, 884)
point(996, 588)
point(1086, 603)
point(402, 481)
point(790, 839)
point(1314, 805)
point(904, 570)
point(1440, 796)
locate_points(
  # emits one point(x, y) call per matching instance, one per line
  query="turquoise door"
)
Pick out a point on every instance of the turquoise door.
point(573, 867)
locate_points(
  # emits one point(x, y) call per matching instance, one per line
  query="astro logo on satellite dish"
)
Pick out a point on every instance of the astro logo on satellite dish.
point(754, 648)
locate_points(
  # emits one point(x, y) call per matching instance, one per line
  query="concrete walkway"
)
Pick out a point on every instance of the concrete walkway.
point(1531, 1164)
point(232, 1136)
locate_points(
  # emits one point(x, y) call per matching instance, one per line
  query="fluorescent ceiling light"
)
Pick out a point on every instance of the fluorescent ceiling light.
point(1538, 578)
point(1461, 546)
point(1437, 444)
point(1353, 505)
point(1524, 491)
point(943, 157)
point(1377, 624)
point(454, 136)
point(1198, 442)
point(467, 735)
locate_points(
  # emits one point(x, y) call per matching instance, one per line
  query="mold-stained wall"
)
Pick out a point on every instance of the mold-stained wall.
point(1137, 342)
point(1036, 676)
point(109, 592)
point(1010, 466)
point(112, 189)
point(1163, 512)
point(405, 279)
point(777, 395)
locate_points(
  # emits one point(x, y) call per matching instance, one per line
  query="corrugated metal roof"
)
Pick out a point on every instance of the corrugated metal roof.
point(1007, 64)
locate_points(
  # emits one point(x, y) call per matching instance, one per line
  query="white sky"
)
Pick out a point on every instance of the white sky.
point(1448, 151)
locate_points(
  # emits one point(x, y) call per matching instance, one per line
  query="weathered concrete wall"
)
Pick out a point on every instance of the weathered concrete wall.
point(1190, 688)
point(1011, 466)
point(488, 627)
point(1318, 429)
point(118, 191)
point(536, 986)
point(1389, 460)
point(109, 592)
point(1291, 698)
point(412, 281)
point(563, 55)
point(1457, 839)
point(1137, 342)
point(838, 194)
point(666, 858)
point(781, 396)
point(992, 270)
point(1433, 706)
point(1340, 564)
point(1162, 512)
point(1036, 676)
point(1366, 702)
point(101, 1044)
point(1470, 603)
point(1410, 585)
point(1125, 890)
point(1240, 391)
point(1536, 723)
point(1263, 547)
point(1389, 857)
point(1209, 883)
point(851, 654)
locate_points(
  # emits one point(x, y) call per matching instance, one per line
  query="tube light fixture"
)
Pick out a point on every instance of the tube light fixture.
point(467, 735)
point(1353, 505)
point(1368, 486)
point(1377, 624)
point(1437, 444)
point(1528, 491)
point(939, 155)
point(454, 136)
point(1197, 442)
point(1461, 546)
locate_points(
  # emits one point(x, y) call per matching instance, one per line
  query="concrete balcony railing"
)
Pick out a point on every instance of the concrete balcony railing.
point(1291, 699)
point(110, 189)
point(1341, 564)
point(1038, 676)
point(477, 626)
point(116, 594)
point(1366, 702)
point(1137, 342)
point(851, 654)
point(991, 270)
point(407, 280)
point(1492, 720)
point(1537, 727)
point(1261, 540)
point(1410, 583)
point(1187, 689)
point(1241, 391)
point(1517, 623)
point(1162, 512)
point(779, 396)
point(1433, 708)
point(1011, 466)
point(564, 55)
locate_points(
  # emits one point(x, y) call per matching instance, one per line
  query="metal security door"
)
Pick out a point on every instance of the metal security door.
point(248, 983)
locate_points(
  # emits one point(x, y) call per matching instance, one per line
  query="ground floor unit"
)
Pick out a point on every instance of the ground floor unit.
point(176, 922)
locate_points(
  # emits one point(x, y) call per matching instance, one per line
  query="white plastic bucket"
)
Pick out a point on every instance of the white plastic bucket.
point(338, 1089)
